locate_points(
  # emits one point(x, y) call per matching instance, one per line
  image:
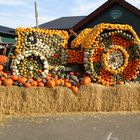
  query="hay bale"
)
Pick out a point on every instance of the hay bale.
point(92, 98)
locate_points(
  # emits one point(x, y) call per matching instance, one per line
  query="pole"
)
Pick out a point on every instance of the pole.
point(36, 14)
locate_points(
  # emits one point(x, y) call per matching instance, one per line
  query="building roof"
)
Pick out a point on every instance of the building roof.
point(62, 23)
point(77, 22)
point(7, 30)
point(104, 7)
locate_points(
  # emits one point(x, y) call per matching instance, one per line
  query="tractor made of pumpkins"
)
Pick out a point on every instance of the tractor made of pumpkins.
point(108, 54)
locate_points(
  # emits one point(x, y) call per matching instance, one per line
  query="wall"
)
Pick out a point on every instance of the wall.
point(126, 18)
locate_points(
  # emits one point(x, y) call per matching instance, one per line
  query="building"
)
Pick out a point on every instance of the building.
point(112, 11)
point(7, 38)
point(7, 35)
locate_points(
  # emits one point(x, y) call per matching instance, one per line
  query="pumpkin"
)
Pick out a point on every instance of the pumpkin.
point(86, 80)
point(34, 83)
point(1, 67)
point(27, 84)
point(40, 84)
point(7, 82)
point(3, 59)
point(38, 79)
point(57, 82)
point(48, 77)
point(14, 77)
point(22, 80)
point(67, 84)
point(50, 83)
point(74, 89)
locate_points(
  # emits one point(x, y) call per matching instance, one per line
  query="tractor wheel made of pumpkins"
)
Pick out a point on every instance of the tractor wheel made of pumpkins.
point(111, 54)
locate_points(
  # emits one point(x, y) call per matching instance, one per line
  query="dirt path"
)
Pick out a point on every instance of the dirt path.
point(99, 126)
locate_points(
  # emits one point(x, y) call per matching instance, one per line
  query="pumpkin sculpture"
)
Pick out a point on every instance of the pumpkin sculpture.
point(107, 54)
point(110, 51)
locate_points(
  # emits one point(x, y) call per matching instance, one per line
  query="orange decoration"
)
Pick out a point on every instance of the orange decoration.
point(7, 82)
point(57, 82)
point(75, 56)
point(40, 84)
point(14, 77)
point(38, 79)
point(3, 59)
point(86, 80)
point(74, 89)
point(105, 78)
point(67, 84)
point(34, 83)
point(131, 71)
point(27, 85)
point(22, 80)
point(50, 83)
point(97, 54)
point(117, 40)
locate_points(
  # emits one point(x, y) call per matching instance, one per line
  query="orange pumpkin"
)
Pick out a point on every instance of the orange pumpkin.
point(57, 82)
point(40, 84)
point(14, 77)
point(48, 77)
point(74, 89)
point(22, 80)
point(27, 84)
point(1, 67)
point(50, 83)
point(38, 79)
point(86, 80)
point(7, 82)
point(34, 83)
point(67, 84)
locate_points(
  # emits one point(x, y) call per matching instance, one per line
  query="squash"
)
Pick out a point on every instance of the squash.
point(27, 84)
point(50, 83)
point(22, 80)
point(14, 77)
point(67, 84)
point(74, 89)
point(57, 82)
point(34, 83)
point(86, 80)
point(40, 84)
point(38, 79)
point(48, 77)
point(7, 82)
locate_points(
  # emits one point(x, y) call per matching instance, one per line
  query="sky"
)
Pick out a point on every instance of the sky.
point(20, 13)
